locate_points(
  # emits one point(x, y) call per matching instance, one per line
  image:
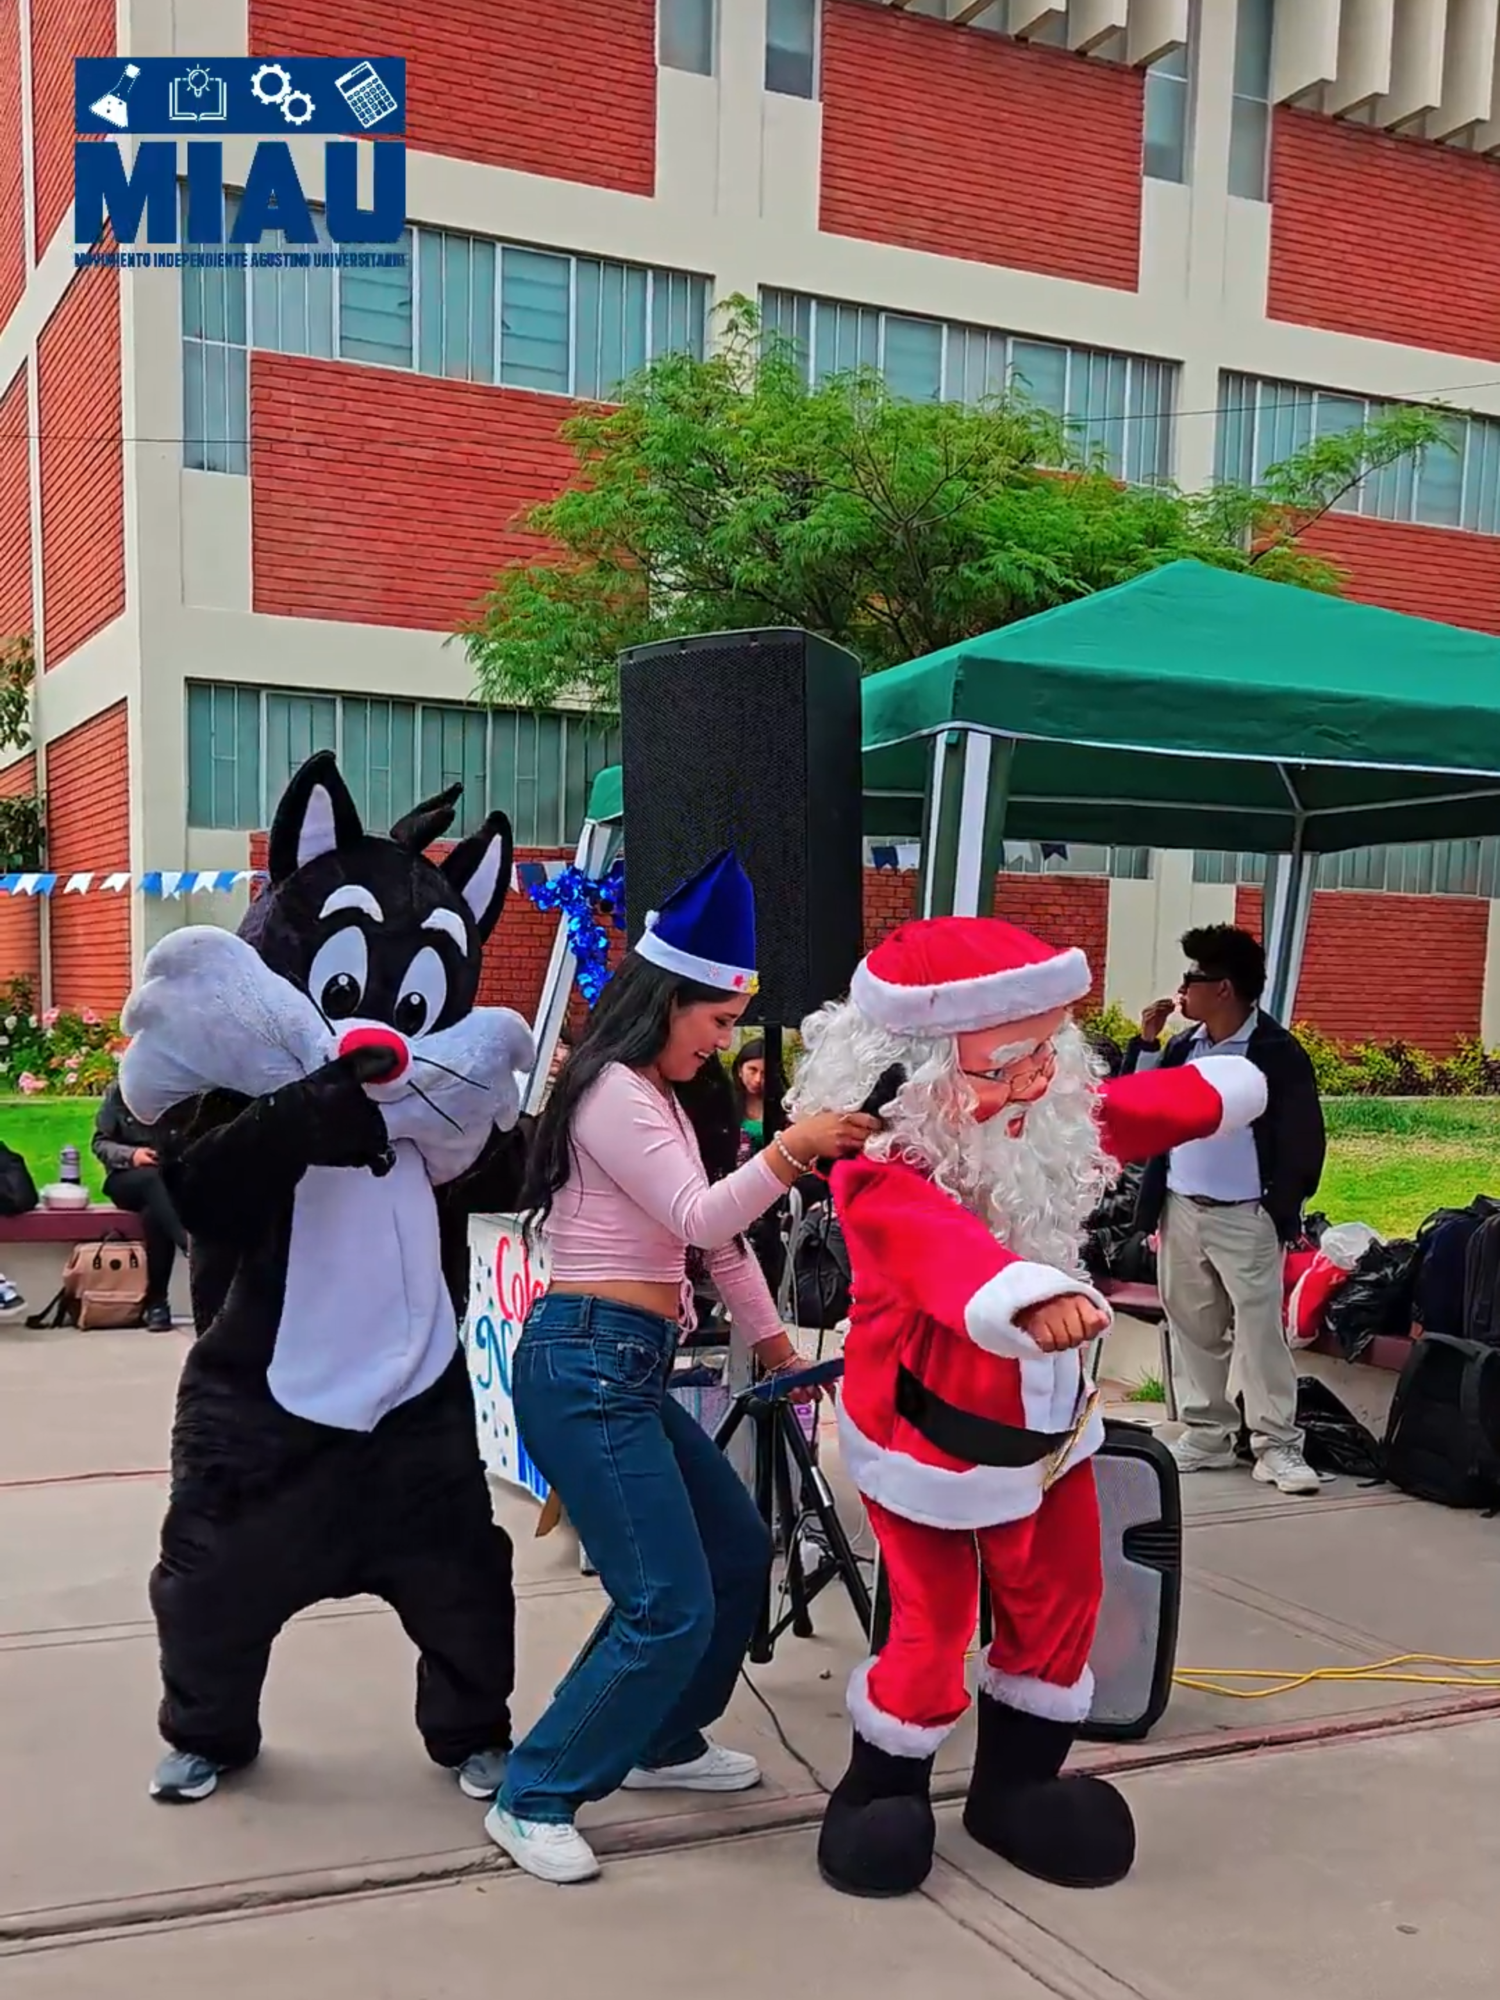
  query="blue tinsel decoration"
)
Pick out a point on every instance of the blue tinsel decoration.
point(579, 898)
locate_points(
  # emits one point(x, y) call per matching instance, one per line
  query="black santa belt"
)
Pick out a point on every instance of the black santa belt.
point(980, 1440)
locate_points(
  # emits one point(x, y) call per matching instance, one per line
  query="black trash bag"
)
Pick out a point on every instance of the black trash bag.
point(17, 1188)
point(1334, 1439)
point(1376, 1298)
point(1113, 1247)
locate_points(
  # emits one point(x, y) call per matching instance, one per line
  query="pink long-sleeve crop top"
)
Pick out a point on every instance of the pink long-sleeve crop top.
point(637, 1196)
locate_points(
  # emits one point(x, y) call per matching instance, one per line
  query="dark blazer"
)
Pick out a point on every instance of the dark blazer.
point(118, 1136)
point(1290, 1138)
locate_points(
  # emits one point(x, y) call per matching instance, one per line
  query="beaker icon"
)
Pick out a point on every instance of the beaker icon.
point(112, 106)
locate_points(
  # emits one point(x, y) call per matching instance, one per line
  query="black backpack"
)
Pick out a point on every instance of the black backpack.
point(17, 1188)
point(1442, 1442)
point(1482, 1284)
point(1442, 1264)
point(814, 1288)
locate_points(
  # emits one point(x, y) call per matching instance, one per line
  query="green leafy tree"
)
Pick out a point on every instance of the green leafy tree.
point(22, 820)
point(726, 493)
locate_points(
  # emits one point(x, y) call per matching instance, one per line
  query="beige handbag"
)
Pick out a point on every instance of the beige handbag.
point(105, 1285)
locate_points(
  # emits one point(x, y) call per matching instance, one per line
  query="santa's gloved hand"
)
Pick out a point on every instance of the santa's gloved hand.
point(328, 1118)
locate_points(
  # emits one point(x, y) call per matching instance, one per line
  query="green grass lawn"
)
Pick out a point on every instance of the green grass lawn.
point(1393, 1160)
point(39, 1128)
point(1390, 1160)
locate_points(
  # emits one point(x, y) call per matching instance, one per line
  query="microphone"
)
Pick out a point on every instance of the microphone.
point(887, 1085)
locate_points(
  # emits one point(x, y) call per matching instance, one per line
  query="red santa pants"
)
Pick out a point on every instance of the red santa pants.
point(1045, 1579)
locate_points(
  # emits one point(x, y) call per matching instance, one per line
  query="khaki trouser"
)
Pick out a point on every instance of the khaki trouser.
point(1220, 1272)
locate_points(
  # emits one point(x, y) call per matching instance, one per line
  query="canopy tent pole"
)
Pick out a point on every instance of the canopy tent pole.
point(590, 856)
point(963, 822)
point(1287, 911)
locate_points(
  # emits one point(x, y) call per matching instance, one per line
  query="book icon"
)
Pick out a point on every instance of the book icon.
point(199, 98)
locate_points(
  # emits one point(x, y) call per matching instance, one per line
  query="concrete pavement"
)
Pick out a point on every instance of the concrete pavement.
point(346, 1854)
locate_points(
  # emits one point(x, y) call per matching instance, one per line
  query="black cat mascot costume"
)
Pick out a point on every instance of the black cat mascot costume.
point(336, 1107)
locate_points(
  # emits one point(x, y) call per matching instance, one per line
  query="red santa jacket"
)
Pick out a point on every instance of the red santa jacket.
point(935, 1296)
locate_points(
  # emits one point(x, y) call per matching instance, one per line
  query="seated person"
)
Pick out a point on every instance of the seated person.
point(129, 1152)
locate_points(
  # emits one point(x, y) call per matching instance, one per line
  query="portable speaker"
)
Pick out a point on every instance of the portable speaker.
point(1135, 1646)
point(751, 740)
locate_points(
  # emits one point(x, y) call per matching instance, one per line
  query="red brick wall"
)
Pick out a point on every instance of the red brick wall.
point(1390, 238)
point(12, 147)
point(88, 826)
point(82, 464)
point(60, 30)
point(15, 512)
point(959, 143)
point(20, 922)
point(1389, 968)
point(389, 498)
point(567, 89)
point(1440, 573)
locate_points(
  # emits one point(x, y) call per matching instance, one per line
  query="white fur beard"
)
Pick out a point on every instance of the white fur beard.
point(1035, 1189)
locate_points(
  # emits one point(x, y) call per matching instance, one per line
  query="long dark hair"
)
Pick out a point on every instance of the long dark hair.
point(753, 1051)
point(630, 1025)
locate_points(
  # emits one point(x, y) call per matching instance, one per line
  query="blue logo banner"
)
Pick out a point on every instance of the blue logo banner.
point(259, 96)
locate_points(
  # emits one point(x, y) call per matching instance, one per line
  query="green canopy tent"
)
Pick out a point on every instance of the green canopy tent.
point(1193, 707)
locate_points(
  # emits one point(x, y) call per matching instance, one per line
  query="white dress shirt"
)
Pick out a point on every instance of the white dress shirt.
point(1226, 1167)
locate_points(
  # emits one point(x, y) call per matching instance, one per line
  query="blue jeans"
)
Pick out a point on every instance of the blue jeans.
point(676, 1539)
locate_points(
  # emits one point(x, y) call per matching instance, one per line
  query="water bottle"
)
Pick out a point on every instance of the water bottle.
point(68, 1170)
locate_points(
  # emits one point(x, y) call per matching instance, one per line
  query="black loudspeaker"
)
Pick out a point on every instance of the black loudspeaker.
point(751, 740)
point(1135, 1647)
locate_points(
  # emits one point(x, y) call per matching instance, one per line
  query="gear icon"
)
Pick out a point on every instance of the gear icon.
point(283, 85)
point(198, 79)
point(304, 105)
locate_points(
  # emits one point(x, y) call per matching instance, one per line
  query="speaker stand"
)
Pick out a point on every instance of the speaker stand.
point(788, 1503)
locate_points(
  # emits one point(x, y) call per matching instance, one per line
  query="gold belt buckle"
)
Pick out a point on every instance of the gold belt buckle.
point(1055, 1464)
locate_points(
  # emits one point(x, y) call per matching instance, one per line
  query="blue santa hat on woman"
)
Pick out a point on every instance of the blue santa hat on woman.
point(705, 930)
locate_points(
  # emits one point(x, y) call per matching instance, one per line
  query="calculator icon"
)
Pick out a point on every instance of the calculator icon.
point(366, 94)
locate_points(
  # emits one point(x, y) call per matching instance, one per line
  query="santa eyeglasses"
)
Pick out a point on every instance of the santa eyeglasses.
point(1023, 1073)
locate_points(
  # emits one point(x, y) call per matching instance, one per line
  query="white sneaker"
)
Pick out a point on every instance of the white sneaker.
point(1193, 1455)
point(1284, 1467)
point(551, 1850)
point(717, 1770)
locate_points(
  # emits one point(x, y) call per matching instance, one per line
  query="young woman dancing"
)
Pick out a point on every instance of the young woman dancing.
point(616, 1184)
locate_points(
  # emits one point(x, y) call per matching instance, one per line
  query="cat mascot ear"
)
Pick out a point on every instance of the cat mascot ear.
point(427, 822)
point(315, 816)
point(479, 868)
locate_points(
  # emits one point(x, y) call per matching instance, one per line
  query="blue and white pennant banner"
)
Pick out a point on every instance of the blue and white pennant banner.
point(172, 883)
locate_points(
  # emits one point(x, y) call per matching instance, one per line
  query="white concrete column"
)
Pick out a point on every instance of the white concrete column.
point(1489, 1011)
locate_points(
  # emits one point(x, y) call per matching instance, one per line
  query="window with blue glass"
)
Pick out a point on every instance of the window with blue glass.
point(1120, 406)
point(461, 306)
point(244, 743)
point(1453, 484)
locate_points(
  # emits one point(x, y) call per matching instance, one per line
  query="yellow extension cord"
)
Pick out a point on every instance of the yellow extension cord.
point(1210, 1680)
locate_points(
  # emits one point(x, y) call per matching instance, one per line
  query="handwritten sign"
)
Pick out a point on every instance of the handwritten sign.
point(506, 1277)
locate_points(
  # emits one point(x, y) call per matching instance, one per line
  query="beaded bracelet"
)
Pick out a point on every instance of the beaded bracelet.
point(798, 1166)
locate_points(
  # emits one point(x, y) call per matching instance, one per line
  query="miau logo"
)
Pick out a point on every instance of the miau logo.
point(130, 183)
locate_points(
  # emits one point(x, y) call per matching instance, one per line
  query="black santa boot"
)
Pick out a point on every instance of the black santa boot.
point(1075, 1831)
point(878, 1831)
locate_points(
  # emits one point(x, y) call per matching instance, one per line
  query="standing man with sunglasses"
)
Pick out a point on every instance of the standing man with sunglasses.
point(1226, 1208)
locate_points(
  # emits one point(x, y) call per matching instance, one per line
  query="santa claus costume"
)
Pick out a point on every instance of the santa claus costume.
point(967, 1420)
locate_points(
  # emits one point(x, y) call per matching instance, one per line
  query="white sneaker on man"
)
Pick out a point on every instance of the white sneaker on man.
point(717, 1770)
point(1284, 1467)
point(551, 1850)
point(1197, 1454)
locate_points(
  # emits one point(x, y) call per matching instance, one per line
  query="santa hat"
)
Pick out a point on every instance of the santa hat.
point(705, 930)
point(954, 975)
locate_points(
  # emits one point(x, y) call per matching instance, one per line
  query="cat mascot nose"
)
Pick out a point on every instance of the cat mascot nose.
point(378, 1041)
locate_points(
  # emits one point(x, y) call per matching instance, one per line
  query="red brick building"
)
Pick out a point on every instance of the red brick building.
point(240, 513)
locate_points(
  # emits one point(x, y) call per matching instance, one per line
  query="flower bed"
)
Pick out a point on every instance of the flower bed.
point(56, 1052)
